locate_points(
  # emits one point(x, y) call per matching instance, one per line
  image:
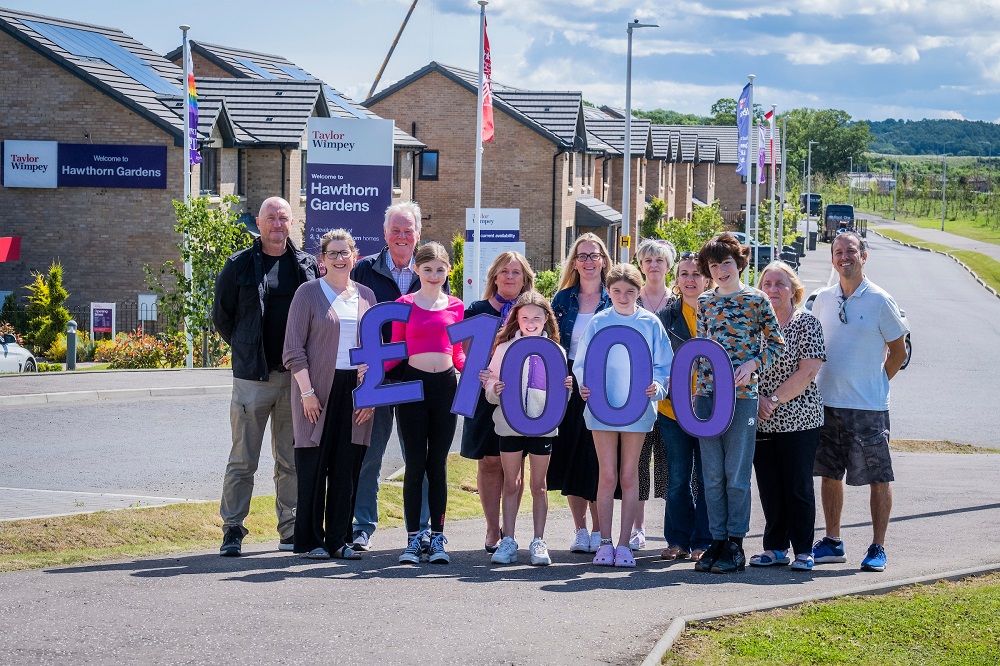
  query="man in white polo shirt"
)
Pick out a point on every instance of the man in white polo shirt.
point(860, 320)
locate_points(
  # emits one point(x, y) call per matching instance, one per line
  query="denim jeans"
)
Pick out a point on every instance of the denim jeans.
point(685, 519)
point(727, 463)
point(366, 504)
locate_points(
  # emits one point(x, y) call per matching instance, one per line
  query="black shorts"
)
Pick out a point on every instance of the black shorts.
point(855, 441)
point(538, 446)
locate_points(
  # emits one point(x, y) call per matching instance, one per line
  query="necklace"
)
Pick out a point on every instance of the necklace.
point(659, 303)
point(784, 321)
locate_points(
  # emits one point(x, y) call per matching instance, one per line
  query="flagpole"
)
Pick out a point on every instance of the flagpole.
point(784, 159)
point(479, 152)
point(189, 357)
point(749, 167)
point(756, 210)
point(774, 169)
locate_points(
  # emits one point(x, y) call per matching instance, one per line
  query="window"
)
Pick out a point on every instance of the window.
point(605, 167)
point(429, 165)
point(209, 171)
point(241, 169)
point(570, 158)
point(397, 169)
point(305, 171)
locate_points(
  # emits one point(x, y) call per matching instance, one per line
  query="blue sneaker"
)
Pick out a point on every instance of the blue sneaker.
point(828, 551)
point(875, 559)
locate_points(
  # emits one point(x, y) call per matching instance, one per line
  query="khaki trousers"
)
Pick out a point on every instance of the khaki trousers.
point(253, 404)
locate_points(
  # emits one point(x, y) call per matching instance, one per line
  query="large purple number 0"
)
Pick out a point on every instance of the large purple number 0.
point(371, 392)
point(555, 390)
point(595, 372)
point(724, 402)
point(480, 330)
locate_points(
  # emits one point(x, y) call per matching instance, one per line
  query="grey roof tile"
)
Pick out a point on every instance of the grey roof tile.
point(613, 132)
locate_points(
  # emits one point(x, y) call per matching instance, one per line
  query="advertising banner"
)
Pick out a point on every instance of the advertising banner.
point(95, 165)
point(30, 164)
point(348, 180)
point(499, 231)
point(743, 112)
point(102, 319)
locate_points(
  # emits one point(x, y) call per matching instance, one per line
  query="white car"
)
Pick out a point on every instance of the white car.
point(902, 313)
point(14, 357)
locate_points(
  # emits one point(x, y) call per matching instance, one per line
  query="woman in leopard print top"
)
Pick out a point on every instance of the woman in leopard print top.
point(789, 416)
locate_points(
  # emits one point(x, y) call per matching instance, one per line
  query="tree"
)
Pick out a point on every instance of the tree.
point(456, 279)
point(723, 112)
point(213, 234)
point(649, 227)
point(690, 235)
point(47, 313)
point(668, 117)
point(838, 137)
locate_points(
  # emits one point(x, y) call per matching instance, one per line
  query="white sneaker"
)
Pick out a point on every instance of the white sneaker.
point(539, 552)
point(595, 542)
point(638, 539)
point(581, 544)
point(506, 551)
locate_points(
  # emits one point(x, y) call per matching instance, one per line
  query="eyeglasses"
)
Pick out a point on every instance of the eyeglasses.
point(338, 254)
point(689, 255)
point(593, 256)
point(843, 311)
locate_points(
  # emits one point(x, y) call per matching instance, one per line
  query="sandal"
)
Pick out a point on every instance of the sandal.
point(317, 554)
point(770, 558)
point(345, 552)
point(697, 553)
point(605, 556)
point(674, 553)
point(624, 557)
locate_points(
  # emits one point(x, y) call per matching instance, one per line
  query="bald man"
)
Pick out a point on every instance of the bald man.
point(252, 296)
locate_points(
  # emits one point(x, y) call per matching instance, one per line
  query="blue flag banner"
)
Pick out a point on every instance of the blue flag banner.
point(743, 113)
point(760, 155)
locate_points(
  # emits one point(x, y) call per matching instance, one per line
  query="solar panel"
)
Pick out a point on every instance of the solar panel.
point(333, 96)
point(86, 44)
point(255, 68)
point(296, 73)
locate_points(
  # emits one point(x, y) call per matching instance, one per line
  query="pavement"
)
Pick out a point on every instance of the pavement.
point(199, 608)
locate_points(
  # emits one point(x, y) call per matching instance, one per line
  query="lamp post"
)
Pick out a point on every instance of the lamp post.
point(944, 182)
point(627, 171)
point(850, 180)
point(809, 180)
point(989, 174)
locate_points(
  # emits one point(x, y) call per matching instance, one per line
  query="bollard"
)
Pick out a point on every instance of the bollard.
point(71, 345)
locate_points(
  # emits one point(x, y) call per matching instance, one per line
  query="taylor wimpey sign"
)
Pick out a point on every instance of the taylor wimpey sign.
point(49, 164)
point(349, 179)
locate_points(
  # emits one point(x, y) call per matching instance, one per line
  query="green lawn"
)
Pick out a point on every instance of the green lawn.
point(947, 623)
point(985, 267)
point(976, 229)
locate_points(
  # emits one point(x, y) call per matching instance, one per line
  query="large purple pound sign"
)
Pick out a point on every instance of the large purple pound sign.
point(480, 331)
point(595, 368)
point(555, 390)
point(724, 399)
point(372, 392)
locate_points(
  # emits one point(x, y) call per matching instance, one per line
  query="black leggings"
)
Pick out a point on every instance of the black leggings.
point(427, 428)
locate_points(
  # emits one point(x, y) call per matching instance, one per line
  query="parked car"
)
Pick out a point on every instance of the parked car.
point(902, 313)
point(14, 357)
point(762, 253)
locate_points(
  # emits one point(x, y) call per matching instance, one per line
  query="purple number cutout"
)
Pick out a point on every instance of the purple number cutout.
point(724, 399)
point(481, 330)
point(555, 390)
point(595, 375)
point(372, 392)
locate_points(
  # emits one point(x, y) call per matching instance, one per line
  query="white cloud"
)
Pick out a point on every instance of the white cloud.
point(803, 49)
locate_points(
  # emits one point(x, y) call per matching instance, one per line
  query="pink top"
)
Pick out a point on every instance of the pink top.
point(425, 332)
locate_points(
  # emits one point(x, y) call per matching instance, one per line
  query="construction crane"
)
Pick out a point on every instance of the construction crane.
point(391, 49)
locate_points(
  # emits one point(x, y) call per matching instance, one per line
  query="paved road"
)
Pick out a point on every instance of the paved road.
point(936, 236)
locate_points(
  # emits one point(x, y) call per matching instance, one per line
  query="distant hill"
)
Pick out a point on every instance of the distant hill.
point(934, 137)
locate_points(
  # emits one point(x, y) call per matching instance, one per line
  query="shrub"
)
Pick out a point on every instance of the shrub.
point(137, 350)
point(46, 310)
point(14, 315)
point(42, 366)
point(456, 279)
point(85, 348)
point(547, 282)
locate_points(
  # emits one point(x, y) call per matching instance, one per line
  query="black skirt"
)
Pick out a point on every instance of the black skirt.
point(479, 435)
point(573, 467)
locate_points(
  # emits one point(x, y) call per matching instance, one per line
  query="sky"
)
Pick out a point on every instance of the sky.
point(875, 59)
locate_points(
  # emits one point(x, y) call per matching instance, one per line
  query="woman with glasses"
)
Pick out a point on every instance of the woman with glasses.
point(330, 435)
point(685, 519)
point(573, 467)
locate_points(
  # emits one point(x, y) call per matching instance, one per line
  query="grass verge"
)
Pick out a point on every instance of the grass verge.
point(946, 623)
point(976, 229)
point(128, 533)
point(936, 446)
point(986, 268)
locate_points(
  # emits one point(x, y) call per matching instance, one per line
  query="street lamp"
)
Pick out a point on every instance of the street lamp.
point(809, 181)
point(944, 182)
point(850, 180)
point(627, 171)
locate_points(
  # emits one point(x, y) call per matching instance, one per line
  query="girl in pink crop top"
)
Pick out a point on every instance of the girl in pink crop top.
point(426, 330)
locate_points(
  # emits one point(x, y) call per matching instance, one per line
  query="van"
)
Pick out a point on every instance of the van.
point(815, 203)
point(837, 218)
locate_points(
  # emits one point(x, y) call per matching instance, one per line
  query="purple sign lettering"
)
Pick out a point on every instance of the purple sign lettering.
point(348, 196)
point(480, 331)
point(372, 392)
point(554, 359)
point(595, 375)
point(725, 388)
point(97, 165)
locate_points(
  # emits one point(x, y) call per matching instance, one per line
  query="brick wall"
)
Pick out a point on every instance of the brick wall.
point(204, 68)
point(704, 182)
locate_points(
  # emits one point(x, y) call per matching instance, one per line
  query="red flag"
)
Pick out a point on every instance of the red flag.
point(487, 88)
point(767, 116)
point(10, 248)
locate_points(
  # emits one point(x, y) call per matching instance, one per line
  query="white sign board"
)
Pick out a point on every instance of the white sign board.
point(499, 232)
point(30, 164)
point(147, 307)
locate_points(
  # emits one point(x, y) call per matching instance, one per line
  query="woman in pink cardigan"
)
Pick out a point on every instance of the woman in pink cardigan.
point(330, 435)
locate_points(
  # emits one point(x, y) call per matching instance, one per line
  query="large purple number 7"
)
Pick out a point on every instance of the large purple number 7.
point(480, 330)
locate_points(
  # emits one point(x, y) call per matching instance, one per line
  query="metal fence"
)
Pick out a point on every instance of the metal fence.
point(128, 317)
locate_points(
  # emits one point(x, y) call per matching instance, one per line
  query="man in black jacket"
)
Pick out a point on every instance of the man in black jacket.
point(252, 297)
point(390, 274)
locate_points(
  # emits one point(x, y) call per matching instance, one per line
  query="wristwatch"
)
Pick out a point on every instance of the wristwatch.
point(775, 400)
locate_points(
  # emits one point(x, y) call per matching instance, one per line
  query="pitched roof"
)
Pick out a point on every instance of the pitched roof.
point(107, 59)
point(553, 114)
point(727, 137)
point(273, 112)
point(613, 132)
point(593, 113)
point(662, 144)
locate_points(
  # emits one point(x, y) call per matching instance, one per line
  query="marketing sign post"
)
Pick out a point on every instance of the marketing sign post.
point(499, 231)
point(349, 180)
point(102, 320)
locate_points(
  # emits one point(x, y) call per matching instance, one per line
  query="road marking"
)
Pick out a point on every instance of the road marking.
point(100, 494)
